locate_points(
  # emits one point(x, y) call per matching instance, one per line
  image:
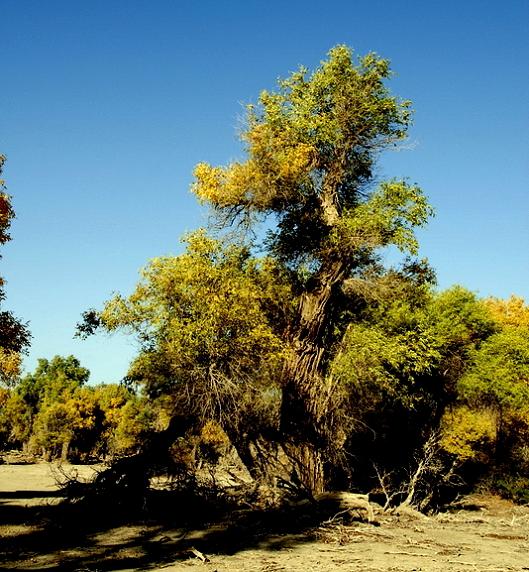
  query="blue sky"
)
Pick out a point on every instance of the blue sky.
point(106, 106)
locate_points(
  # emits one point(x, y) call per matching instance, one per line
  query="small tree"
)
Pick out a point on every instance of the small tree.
point(209, 349)
point(14, 335)
point(52, 410)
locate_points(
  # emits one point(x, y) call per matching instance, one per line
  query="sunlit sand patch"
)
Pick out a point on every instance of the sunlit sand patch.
point(15, 530)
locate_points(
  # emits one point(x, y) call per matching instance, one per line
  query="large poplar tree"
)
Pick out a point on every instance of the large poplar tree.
point(312, 148)
point(211, 321)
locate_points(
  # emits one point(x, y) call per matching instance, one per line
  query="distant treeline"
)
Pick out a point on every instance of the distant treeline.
point(53, 414)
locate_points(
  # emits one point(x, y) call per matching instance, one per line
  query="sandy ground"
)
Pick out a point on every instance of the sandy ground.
point(480, 533)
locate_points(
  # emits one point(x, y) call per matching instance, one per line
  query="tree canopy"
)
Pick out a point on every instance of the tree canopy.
point(216, 318)
point(311, 150)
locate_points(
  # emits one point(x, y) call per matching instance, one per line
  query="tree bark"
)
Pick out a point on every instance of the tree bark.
point(65, 450)
point(305, 404)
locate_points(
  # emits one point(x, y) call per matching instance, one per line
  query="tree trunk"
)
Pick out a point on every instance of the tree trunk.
point(305, 405)
point(65, 450)
point(308, 462)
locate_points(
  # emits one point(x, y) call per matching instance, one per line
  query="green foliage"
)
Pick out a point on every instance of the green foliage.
point(500, 372)
point(52, 380)
point(496, 380)
point(463, 320)
point(410, 338)
point(203, 321)
point(136, 418)
point(511, 486)
point(381, 367)
point(398, 369)
point(311, 149)
point(387, 218)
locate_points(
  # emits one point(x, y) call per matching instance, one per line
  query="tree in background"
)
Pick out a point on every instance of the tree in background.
point(497, 386)
point(52, 379)
point(53, 413)
point(49, 397)
point(14, 335)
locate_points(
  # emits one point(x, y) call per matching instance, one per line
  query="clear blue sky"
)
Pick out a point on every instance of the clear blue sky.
point(106, 106)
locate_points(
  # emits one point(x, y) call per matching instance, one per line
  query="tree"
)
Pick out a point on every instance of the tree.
point(228, 334)
point(52, 379)
point(494, 389)
point(311, 149)
point(398, 366)
point(499, 381)
point(209, 348)
point(52, 406)
point(54, 413)
point(14, 335)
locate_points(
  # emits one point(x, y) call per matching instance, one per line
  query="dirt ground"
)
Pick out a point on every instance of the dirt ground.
point(478, 533)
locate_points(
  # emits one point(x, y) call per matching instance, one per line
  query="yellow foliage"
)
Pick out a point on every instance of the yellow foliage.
point(163, 411)
point(206, 306)
point(265, 178)
point(9, 364)
point(511, 312)
point(213, 435)
point(468, 433)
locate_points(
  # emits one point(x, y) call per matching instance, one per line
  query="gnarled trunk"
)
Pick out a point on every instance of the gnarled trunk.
point(305, 405)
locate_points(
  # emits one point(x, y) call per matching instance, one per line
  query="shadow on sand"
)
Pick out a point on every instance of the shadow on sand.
point(163, 528)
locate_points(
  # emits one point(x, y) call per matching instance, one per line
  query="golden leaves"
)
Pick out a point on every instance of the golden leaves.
point(200, 310)
point(511, 312)
point(265, 179)
point(468, 433)
point(10, 363)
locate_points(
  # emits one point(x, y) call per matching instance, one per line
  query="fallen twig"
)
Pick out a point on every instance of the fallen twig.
point(407, 553)
point(199, 555)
